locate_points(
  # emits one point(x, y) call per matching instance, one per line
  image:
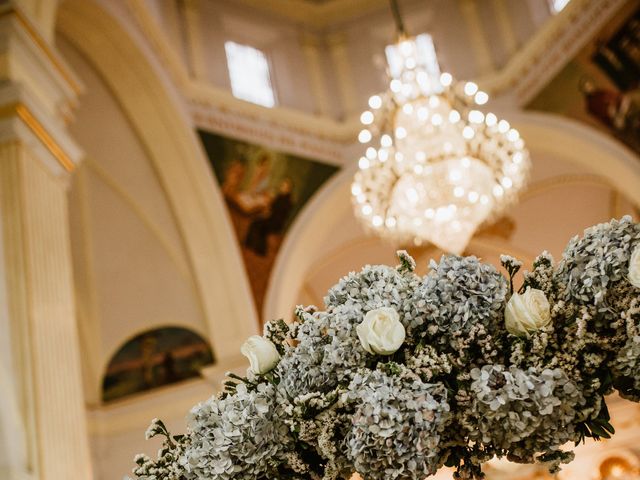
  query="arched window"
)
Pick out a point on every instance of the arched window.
point(153, 359)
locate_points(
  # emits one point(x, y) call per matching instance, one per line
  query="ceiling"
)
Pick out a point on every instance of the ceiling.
point(317, 13)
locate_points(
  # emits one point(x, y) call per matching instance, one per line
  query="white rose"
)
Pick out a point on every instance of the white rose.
point(262, 354)
point(527, 313)
point(634, 267)
point(381, 331)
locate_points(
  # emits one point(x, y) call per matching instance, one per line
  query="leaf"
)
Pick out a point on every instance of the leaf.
point(599, 431)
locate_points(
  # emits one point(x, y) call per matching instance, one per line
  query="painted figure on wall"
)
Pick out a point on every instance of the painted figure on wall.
point(620, 111)
point(264, 191)
point(153, 359)
point(605, 80)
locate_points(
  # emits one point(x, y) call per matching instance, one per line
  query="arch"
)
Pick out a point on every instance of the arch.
point(316, 226)
point(155, 358)
point(152, 107)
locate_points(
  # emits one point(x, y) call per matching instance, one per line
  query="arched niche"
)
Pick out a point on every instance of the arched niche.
point(562, 149)
point(204, 251)
point(153, 359)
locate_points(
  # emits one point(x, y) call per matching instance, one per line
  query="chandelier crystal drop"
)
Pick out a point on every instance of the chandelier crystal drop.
point(435, 166)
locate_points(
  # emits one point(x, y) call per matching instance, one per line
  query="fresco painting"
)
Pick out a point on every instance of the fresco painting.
point(154, 359)
point(264, 191)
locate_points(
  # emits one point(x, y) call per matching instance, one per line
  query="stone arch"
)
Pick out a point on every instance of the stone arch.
point(152, 108)
point(317, 226)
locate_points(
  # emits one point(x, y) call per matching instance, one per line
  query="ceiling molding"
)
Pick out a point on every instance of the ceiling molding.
point(550, 49)
point(528, 71)
point(317, 15)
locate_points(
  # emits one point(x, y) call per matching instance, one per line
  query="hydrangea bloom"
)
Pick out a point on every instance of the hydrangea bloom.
point(535, 409)
point(459, 389)
point(460, 306)
point(237, 437)
point(593, 264)
point(328, 350)
point(374, 287)
point(397, 426)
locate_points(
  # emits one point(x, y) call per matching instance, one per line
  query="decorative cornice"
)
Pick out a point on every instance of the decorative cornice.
point(317, 15)
point(21, 111)
point(550, 49)
point(519, 81)
point(11, 10)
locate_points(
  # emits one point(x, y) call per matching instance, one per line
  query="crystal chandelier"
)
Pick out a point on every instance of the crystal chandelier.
point(435, 167)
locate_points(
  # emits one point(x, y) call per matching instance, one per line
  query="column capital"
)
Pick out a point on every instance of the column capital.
point(22, 119)
point(38, 92)
point(28, 59)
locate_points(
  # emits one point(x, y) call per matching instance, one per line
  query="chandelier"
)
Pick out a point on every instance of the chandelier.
point(436, 166)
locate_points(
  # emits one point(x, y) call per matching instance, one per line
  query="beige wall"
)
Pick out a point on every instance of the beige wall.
point(132, 272)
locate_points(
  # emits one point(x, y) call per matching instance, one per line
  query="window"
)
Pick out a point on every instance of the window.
point(556, 6)
point(249, 74)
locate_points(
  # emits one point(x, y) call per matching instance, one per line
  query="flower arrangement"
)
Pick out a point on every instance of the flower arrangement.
point(402, 374)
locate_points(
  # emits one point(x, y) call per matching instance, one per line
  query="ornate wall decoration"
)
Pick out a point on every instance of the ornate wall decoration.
point(601, 84)
point(264, 190)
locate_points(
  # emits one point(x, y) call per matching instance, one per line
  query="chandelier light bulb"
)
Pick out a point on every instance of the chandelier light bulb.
point(364, 136)
point(446, 79)
point(503, 126)
point(375, 102)
point(481, 98)
point(476, 116)
point(470, 88)
point(366, 118)
point(467, 132)
point(435, 166)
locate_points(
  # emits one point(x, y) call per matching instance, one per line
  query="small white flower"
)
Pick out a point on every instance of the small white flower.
point(634, 267)
point(381, 331)
point(527, 313)
point(262, 354)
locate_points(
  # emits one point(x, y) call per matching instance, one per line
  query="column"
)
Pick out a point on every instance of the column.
point(342, 65)
point(311, 49)
point(479, 44)
point(37, 157)
point(508, 36)
point(197, 61)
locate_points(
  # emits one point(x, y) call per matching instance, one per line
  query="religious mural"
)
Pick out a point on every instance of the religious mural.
point(264, 191)
point(153, 359)
point(601, 85)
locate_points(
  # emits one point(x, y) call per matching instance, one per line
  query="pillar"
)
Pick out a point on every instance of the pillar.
point(41, 370)
point(311, 49)
point(342, 69)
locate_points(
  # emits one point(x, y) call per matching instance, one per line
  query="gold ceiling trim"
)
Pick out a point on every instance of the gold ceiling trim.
point(22, 111)
point(42, 44)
